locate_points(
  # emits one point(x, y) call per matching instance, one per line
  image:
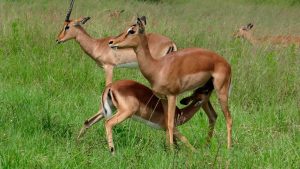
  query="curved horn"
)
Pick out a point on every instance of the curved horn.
point(69, 11)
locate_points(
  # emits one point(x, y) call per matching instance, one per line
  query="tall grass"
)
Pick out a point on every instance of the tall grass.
point(48, 90)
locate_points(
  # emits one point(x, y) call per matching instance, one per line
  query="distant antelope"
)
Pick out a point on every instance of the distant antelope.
point(132, 99)
point(115, 13)
point(246, 33)
point(98, 50)
point(178, 72)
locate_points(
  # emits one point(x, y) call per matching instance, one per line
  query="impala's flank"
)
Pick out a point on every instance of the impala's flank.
point(132, 99)
point(178, 72)
point(98, 50)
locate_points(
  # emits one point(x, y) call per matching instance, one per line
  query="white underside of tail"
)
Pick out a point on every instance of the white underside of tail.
point(108, 108)
point(230, 88)
point(148, 123)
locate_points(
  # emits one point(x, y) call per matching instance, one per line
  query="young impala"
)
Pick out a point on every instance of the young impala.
point(246, 33)
point(132, 99)
point(178, 72)
point(98, 50)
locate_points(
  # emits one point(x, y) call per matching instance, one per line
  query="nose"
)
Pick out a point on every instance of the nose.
point(110, 42)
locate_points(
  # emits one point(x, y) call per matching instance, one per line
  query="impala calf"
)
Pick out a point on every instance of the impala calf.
point(178, 72)
point(98, 50)
point(246, 33)
point(132, 99)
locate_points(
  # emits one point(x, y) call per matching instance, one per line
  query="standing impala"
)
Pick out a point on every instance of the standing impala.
point(178, 72)
point(132, 99)
point(246, 33)
point(98, 50)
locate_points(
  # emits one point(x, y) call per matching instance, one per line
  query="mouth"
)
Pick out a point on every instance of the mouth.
point(58, 41)
point(113, 46)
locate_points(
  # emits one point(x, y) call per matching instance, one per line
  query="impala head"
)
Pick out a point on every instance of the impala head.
point(244, 31)
point(70, 27)
point(130, 38)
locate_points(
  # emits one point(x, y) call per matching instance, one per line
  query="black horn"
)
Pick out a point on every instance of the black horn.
point(69, 11)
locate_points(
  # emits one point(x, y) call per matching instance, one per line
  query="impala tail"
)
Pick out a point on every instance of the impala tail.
point(230, 87)
point(108, 106)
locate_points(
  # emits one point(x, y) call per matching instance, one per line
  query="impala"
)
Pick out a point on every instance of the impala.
point(98, 50)
point(178, 72)
point(132, 99)
point(115, 13)
point(246, 33)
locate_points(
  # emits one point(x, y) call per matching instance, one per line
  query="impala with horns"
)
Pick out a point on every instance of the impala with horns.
point(98, 50)
point(246, 33)
point(132, 99)
point(178, 72)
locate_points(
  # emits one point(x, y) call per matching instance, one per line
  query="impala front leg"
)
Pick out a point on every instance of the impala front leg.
point(170, 118)
point(108, 69)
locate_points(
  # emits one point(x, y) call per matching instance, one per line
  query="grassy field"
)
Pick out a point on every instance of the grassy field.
point(48, 90)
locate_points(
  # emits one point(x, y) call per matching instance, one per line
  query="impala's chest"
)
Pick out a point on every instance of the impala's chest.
point(123, 57)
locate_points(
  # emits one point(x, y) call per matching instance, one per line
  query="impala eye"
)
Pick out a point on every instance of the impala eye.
point(131, 31)
point(67, 27)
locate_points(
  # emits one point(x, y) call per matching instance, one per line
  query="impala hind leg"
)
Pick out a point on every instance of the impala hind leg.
point(222, 88)
point(89, 122)
point(110, 123)
point(212, 117)
point(183, 139)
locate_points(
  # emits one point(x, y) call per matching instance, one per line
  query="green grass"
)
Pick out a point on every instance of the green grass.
point(48, 90)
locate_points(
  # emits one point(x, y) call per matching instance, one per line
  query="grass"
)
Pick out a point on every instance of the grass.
point(48, 90)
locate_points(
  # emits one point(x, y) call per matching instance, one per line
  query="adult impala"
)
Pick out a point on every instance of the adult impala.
point(98, 50)
point(132, 99)
point(178, 72)
point(246, 33)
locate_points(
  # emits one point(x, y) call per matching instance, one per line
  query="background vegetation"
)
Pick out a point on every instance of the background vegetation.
point(48, 90)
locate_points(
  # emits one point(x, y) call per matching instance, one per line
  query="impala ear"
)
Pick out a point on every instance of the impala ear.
point(250, 26)
point(85, 19)
point(185, 101)
point(143, 19)
point(82, 21)
point(141, 25)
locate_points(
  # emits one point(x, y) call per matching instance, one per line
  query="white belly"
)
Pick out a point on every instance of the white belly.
point(128, 65)
point(149, 123)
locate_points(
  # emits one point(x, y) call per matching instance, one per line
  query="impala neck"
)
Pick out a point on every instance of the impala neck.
point(251, 38)
point(148, 65)
point(185, 114)
point(86, 42)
